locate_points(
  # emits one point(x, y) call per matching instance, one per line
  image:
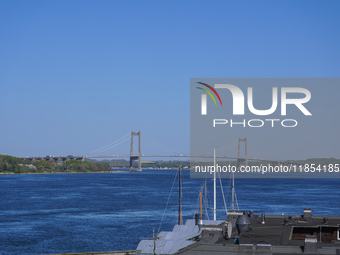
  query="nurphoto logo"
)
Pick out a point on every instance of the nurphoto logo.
point(238, 105)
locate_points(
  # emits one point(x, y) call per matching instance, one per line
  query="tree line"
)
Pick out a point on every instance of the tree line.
point(10, 164)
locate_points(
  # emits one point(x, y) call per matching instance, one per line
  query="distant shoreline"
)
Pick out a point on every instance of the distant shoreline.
point(60, 173)
point(99, 172)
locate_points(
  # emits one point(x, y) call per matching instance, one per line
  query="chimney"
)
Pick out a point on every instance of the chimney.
point(307, 213)
point(311, 242)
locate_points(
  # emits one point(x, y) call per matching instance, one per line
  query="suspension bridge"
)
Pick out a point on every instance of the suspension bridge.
point(138, 156)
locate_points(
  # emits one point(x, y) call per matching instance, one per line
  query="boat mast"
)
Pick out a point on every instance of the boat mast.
point(205, 200)
point(232, 194)
point(179, 198)
point(214, 184)
point(154, 241)
point(201, 218)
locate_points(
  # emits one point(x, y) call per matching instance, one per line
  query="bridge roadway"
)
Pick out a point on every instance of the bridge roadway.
point(170, 156)
point(63, 158)
point(199, 156)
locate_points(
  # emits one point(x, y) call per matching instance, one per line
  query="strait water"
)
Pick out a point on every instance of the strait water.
point(64, 213)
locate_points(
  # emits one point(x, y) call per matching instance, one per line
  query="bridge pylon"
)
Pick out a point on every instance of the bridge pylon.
point(135, 157)
point(242, 161)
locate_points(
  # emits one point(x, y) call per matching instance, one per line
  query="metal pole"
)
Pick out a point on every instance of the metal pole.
point(214, 184)
point(139, 152)
point(201, 204)
point(245, 141)
point(205, 199)
point(154, 241)
point(179, 198)
point(232, 194)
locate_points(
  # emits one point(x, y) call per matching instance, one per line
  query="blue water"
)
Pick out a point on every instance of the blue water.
point(64, 213)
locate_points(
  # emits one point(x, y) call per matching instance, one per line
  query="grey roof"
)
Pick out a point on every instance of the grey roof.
point(145, 247)
point(171, 242)
point(269, 235)
point(275, 235)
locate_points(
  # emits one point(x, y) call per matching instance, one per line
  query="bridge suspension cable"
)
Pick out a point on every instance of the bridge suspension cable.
point(126, 139)
point(113, 144)
point(224, 148)
point(161, 146)
point(227, 146)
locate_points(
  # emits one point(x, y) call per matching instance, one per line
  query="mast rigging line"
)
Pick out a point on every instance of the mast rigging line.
point(225, 205)
point(236, 202)
point(197, 206)
point(186, 199)
point(204, 191)
point(206, 200)
point(173, 184)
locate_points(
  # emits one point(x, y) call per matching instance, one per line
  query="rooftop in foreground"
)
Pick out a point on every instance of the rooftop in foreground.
point(247, 233)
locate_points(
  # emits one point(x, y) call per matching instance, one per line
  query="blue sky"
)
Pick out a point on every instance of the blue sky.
point(77, 75)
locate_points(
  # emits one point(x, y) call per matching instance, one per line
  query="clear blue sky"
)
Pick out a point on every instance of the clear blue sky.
point(76, 75)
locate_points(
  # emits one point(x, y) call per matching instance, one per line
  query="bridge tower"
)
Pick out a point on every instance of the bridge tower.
point(135, 157)
point(242, 161)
